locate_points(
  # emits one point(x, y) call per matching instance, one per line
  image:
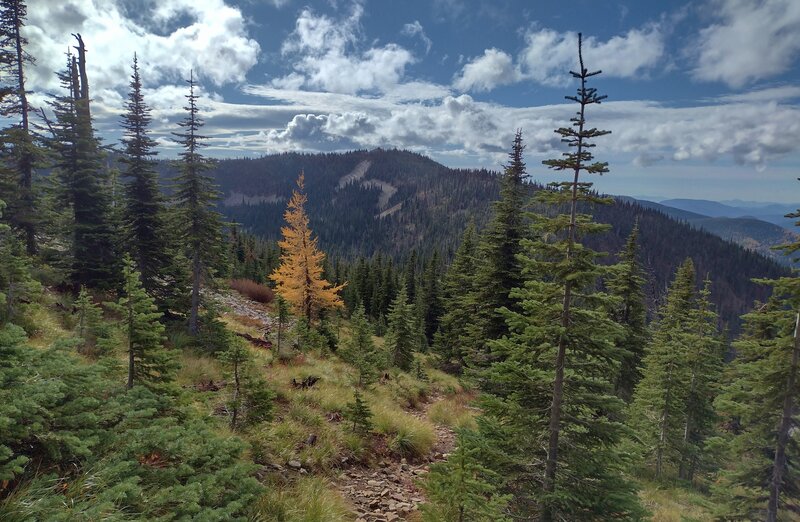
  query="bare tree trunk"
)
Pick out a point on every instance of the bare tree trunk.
point(235, 416)
point(25, 162)
point(193, 313)
point(130, 343)
point(783, 431)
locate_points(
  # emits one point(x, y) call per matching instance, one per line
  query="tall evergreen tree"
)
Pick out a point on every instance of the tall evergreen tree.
point(759, 404)
point(499, 269)
point(22, 151)
point(84, 187)
point(626, 281)
point(200, 226)
point(146, 236)
point(360, 350)
point(705, 360)
point(550, 411)
point(659, 404)
point(432, 299)
point(458, 332)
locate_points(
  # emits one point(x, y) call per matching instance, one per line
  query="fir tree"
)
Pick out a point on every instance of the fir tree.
point(23, 152)
point(16, 284)
point(658, 410)
point(626, 281)
point(149, 363)
point(360, 350)
point(299, 277)
point(758, 404)
point(200, 226)
point(251, 400)
point(499, 269)
point(431, 303)
point(705, 360)
point(143, 222)
point(460, 489)
point(457, 334)
point(402, 335)
point(551, 413)
point(359, 414)
point(92, 330)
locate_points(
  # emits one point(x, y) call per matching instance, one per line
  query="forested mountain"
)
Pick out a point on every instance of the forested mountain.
point(393, 201)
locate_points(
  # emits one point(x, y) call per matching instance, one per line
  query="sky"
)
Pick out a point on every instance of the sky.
point(703, 96)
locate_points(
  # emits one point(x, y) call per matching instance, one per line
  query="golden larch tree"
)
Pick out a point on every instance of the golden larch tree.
point(299, 279)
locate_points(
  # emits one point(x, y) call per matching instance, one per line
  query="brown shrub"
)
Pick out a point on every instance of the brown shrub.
point(255, 291)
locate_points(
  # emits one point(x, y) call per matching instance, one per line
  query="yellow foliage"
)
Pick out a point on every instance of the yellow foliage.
point(299, 277)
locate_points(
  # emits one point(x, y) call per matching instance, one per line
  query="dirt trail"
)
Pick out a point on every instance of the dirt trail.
point(390, 492)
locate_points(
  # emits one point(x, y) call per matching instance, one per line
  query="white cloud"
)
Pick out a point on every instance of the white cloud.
point(549, 55)
point(325, 57)
point(746, 132)
point(415, 29)
point(214, 43)
point(486, 72)
point(754, 39)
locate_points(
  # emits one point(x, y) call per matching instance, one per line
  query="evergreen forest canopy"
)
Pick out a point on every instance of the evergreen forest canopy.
point(135, 384)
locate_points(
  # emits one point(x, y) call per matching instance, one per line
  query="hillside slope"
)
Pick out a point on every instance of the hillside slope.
point(430, 205)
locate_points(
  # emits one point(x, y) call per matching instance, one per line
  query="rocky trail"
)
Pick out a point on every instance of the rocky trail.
point(386, 493)
point(390, 492)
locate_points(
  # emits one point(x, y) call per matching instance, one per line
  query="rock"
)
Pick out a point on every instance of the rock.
point(373, 483)
point(294, 464)
point(391, 517)
point(385, 492)
point(419, 472)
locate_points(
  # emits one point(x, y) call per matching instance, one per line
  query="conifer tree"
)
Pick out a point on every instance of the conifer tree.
point(626, 281)
point(458, 332)
point(402, 335)
point(143, 222)
point(759, 405)
point(251, 399)
point(460, 489)
point(92, 330)
point(705, 360)
point(432, 304)
point(360, 349)
point(200, 226)
point(550, 409)
point(499, 270)
point(359, 414)
point(16, 284)
point(149, 363)
point(22, 152)
point(658, 411)
point(299, 277)
point(84, 190)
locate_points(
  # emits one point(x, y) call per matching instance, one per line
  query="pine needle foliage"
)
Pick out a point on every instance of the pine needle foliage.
point(199, 224)
point(403, 333)
point(359, 414)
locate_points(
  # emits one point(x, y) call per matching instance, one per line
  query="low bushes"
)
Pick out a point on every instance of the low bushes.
point(252, 290)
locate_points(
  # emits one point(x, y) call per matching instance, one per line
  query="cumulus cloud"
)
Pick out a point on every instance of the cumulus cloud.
point(324, 56)
point(549, 55)
point(486, 72)
point(170, 37)
point(415, 29)
point(750, 133)
point(753, 39)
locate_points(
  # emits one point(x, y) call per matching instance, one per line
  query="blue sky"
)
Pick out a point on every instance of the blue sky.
point(702, 96)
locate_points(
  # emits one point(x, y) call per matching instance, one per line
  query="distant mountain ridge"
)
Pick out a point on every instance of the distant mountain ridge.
point(750, 232)
point(430, 205)
point(770, 212)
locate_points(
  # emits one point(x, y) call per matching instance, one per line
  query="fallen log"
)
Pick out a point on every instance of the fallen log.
point(261, 343)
